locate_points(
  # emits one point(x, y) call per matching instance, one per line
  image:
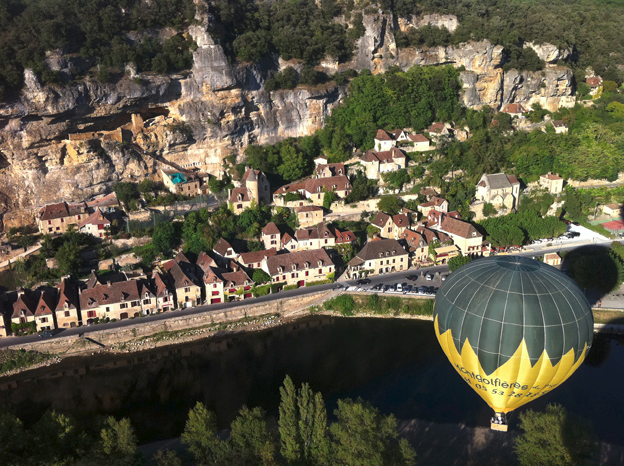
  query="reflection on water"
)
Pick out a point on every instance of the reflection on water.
point(395, 364)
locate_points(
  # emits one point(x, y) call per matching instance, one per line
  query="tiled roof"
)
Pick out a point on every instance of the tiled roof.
point(182, 277)
point(26, 302)
point(383, 135)
point(236, 279)
point(432, 235)
point(399, 220)
point(270, 229)
point(346, 236)
point(312, 185)
point(436, 128)
point(239, 195)
point(413, 238)
point(512, 179)
point(105, 201)
point(459, 227)
point(204, 261)
point(559, 124)
point(379, 248)
point(335, 169)
point(299, 259)
point(222, 247)
point(286, 239)
point(256, 256)
point(550, 176)
point(96, 218)
point(320, 231)
point(383, 156)
point(252, 175)
point(68, 293)
point(514, 108)
point(498, 181)
point(102, 295)
point(47, 303)
point(308, 208)
point(551, 256)
point(428, 192)
point(594, 81)
point(434, 202)
point(52, 211)
point(417, 138)
point(161, 286)
point(291, 188)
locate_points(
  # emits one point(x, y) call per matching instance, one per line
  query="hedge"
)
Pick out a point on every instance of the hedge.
point(290, 287)
point(28, 327)
point(261, 290)
point(319, 282)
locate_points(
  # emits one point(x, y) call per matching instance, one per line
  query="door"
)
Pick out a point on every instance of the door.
point(123, 315)
point(215, 300)
point(301, 283)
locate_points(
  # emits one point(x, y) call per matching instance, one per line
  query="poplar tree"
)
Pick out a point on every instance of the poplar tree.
point(319, 446)
point(288, 426)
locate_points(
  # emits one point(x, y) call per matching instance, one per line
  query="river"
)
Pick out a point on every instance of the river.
point(396, 364)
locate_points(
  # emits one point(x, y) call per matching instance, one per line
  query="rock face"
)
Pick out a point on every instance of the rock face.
point(74, 141)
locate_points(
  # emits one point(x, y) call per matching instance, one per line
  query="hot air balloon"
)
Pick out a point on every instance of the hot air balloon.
point(513, 328)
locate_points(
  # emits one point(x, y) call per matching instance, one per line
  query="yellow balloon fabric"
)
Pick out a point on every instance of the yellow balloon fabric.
point(516, 382)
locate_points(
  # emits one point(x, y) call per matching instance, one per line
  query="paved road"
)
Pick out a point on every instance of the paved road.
point(389, 279)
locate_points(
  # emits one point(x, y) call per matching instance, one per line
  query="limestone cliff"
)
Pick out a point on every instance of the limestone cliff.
point(74, 141)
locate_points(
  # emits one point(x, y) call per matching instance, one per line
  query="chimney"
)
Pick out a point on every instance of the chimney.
point(108, 283)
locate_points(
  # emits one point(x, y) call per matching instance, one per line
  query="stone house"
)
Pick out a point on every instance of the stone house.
point(595, 86)
point(436, 203)
point(384, 141)
point(500, 190)
point(237, 285)
point(417, 246)
point(96, 225)
point(107, 204)
point(309, 215)
point(553, 183)
point(188, 291)
point(553, 259)
point(329, 170)
point(253, 260)
point(560, 127)
point(442, 254)
point(390, 226)
point(44, 313)
point(24, 308)
point(420, 143)
point(163, 292)
point(271, 236)
point(224, 249)
point(345, 236)
point(375, 163)
point(314, 189)
point(254, 189)
point(378, 257)
point(515, 110)
point(463, 234)
point(299, 267)
point(438, 130)
point(183, 183)
point(288, 243)
point(213, 283)
point(613, 210)
point(119, 300)
point(315, 238)
point(68, 306)
point(56, 218)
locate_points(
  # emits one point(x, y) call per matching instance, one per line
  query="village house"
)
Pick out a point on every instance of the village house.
point(384, 141)
point(224, 249)
point(254, 189)
point(119, 300)
point(515, 110)
point(329, 170)
point(436, 203)
point(429, 193)
point(500, 190)
point(24, 308)
point(595, 86)
point(44, 313)
point(56, 218)
point(68, 306)
point(420, 143)
point(417, 246)
point(315, 237)
point(463, 234)
point(271, 236)
point(253, 259)
point(345, 236)
point(377, 162)
point(390, 226)
point(183, 183)
point(613, 210)
point(553, 183)
point(314, 189)
point(438, 130)
point(188, 292)
point(107, 204)
point(96, 225)
point(288, 243)
point(378, 257)
point(213, 283)
point(553, 259)
point(5, 321)
point(560, 127)
point(237, 285)
point(309, 215)
point(299, 267)
point(442, 254)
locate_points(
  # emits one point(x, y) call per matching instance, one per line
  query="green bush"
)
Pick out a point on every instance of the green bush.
point(394, 303)
point(24, 327)
point(290, 287)
point(261, 290)
point(374, 303)
point(12, 359)
point(345, 304)
point(489, 210)
point(319, 282)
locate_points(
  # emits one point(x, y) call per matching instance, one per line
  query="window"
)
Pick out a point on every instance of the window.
point(187, 290)
point(307, 273)
point(214, 285)
point(62, 220)
point(49, 222)
point(107, 309)
point(123, 306)
point(215, 293)
point(147, 301)
point(135, 303)
point(320, 271)
point(44, 319)
point(166, 299)
point(79, 218)
point(67, 313)
point(50, 229)
point(239, 206)
point(90, 313)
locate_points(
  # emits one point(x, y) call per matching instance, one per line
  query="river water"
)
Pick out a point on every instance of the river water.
point(396, 364)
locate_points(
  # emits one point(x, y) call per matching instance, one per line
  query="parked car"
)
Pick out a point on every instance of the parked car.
point(422, 289)
point(363, 281)
point(429, 277)
point(398, 287)
point(386, 288)
point(47, 334)
point(443, 278)
point(407, 289)
point(412, 278)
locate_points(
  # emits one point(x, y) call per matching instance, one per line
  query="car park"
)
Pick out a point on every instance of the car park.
point(422, 289)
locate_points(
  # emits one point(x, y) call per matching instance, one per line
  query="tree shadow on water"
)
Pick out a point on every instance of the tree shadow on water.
point(596, 269)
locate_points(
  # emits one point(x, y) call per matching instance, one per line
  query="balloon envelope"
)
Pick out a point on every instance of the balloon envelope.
point(513, 328)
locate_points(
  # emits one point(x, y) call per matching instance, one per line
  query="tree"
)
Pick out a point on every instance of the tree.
point(554, 438)
point(26, 241)
point(200, 434)
point(260, 276)
point(255, 245)
point(456, 262)
point(163, 238)
point(118, 443)
point(166, 458)
point(15, 445)
point(396, 179)
point(489, 210)
point(288, 422)
point(125, 192)
point(363, 437)
point(55, 439)
point(329, 198)
point(69, 259)
point(309, 76)
point(294, 164)
point(389, 204)
point(583, 89)
point(250, 441)
point(146, 186)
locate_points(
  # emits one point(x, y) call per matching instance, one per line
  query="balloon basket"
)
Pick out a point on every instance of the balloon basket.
point(499, 427)
point(499, 422)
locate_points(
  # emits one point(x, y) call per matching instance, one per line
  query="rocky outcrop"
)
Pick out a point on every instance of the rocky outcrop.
point(74, 141)
point(550, 53)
